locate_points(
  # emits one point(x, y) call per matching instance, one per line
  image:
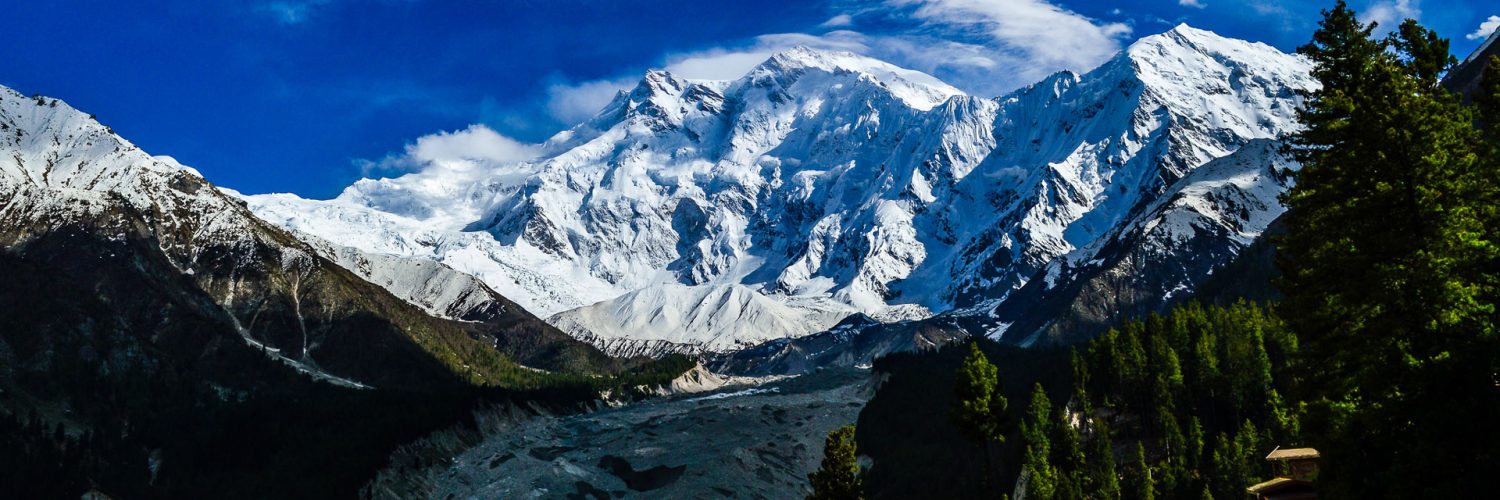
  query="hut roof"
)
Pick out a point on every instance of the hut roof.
point(1292, 454)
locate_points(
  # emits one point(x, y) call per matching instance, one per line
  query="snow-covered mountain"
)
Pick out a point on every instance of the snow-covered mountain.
point(154, 254)
point(826, 176)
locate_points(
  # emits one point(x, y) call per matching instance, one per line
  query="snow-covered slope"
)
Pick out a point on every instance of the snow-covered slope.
point(434, 287)
point(1154, 260)
point(823, 176)
point(713, 317)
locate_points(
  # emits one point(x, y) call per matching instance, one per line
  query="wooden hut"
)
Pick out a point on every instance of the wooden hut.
point(1296, 469)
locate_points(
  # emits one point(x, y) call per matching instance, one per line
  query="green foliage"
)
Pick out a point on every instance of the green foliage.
point(1042, 477)
point(1193, 387)
point(907, 429)
point(1141, 485)
point(1487, 100)
point(980, 409)
point(839, 477)
point(978, 405)
point(1390, 265)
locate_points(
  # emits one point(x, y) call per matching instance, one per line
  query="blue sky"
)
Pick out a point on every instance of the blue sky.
point(307, 96)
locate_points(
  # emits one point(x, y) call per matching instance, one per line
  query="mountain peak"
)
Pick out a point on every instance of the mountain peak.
point(917, 89)
point(1198, 40)
point(50, 141)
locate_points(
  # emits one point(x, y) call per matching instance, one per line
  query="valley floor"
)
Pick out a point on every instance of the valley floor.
point(756, 442)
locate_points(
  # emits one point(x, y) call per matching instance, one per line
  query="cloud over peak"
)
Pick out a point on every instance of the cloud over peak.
point(1485, 29)
point(985, 47)
point(453, 150)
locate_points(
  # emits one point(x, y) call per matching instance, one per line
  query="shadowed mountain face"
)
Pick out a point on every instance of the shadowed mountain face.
point(1465, 77)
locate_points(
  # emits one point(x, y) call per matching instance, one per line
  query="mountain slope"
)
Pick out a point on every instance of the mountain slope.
point(1466, 77)
point(706, 317)
point(66, 178)
point(1155, 260)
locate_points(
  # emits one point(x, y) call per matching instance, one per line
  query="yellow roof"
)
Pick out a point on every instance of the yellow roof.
point(1268, 484)
point(1292, 454)
point(1278, 484)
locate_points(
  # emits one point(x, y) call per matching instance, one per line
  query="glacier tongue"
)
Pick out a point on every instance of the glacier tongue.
point(824, 176)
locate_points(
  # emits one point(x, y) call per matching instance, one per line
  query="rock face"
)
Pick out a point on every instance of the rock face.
point(824, 177)
point(1156, 259)
point(1466, 77)
point(178, 271)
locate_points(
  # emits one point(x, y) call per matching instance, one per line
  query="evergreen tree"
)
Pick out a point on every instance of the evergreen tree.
point(1389, 263)
point(1037, 429)
point(839, 477)
point(1142, 486)
point(980, 410)
point(1487, 100)
point(1104, 481)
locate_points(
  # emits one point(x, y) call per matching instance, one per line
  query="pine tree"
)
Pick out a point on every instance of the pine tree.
point(1487, 100)
point(1037, 429)
point(1389, 263)
point(1104, 479)
point(980, 410)
point(839, 477)
point(1142, 486)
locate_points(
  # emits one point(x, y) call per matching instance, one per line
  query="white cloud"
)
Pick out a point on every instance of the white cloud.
point(717, 64)
point(729, 63)
point(839, 21)
point(985, 47)
point(1389, 13)
point(1042, 36)
point(1196, 4)
point(570, 103)
point(453, 150)
point(477, 142)
point(574, 102)
point(1485, 28)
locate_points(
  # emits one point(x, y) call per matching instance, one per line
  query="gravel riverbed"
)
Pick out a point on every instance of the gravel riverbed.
point(743, 442)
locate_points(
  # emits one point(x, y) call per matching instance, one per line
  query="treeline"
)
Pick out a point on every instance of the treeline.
point(1175, 406)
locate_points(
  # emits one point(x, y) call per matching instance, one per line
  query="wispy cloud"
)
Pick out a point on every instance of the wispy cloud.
point(986, 47)
point(291, 12)
point(575, 102)
point(839, 21)
point(1485, 29)
point(1389, 13)
point(1034, 36)
point(1196, 4)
